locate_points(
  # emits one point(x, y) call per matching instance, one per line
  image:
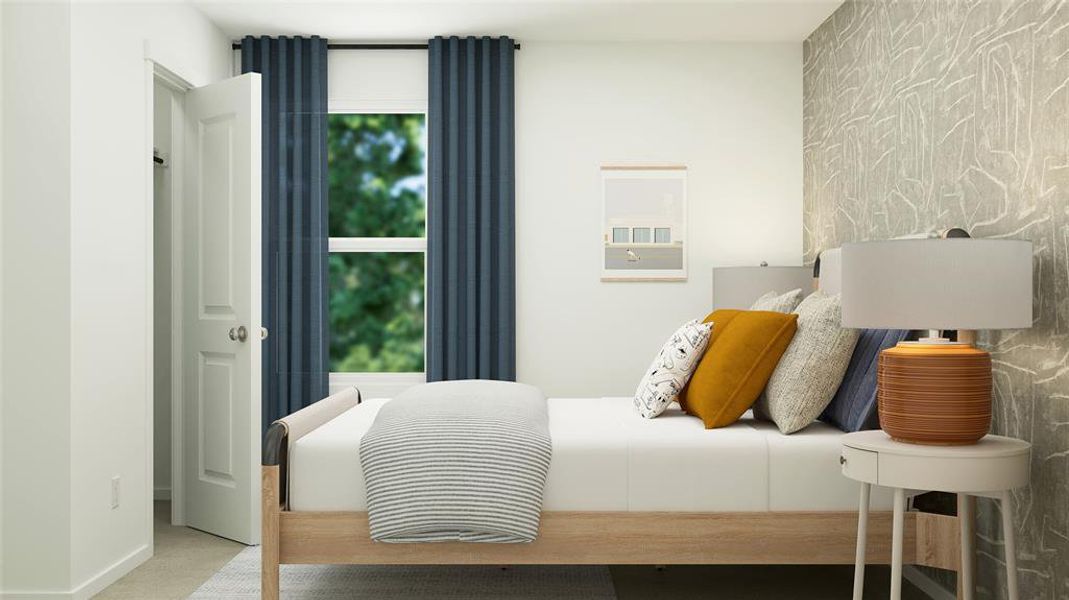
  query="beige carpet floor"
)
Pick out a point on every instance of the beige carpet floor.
point(186, 558)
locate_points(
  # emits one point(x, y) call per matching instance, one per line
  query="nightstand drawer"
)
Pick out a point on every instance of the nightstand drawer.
point(858, 464)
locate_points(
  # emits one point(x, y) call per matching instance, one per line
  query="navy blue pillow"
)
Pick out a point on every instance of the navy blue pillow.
point(854, 406)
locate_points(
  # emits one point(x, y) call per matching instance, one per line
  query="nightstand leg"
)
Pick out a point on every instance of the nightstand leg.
point(1011, 545)
point(965, 523)
point(896, 544)
point(862, 541)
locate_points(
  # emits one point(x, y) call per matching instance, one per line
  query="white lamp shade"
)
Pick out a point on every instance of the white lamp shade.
point(739, 287)
point(960, 283)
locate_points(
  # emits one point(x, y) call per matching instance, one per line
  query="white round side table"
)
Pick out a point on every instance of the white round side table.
point(990, 468)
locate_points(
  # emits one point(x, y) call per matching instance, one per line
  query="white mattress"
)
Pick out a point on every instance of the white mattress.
point(607, 458)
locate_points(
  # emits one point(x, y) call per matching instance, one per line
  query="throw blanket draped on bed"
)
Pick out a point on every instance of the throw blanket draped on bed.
point(458, 461)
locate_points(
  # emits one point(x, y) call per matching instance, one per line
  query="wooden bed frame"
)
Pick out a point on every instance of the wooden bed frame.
point(302, 537)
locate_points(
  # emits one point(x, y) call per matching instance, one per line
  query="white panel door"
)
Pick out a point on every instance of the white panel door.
point(221, 309)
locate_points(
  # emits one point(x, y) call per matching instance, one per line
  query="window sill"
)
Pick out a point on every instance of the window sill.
point(376, 385)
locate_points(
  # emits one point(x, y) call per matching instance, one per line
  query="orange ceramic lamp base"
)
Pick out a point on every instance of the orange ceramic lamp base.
point(937, 394)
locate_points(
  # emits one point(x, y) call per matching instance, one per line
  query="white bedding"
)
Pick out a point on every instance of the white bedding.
point(607, 458)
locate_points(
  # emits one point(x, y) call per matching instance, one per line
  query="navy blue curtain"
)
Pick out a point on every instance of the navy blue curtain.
point(295, 355)
point(471, 282)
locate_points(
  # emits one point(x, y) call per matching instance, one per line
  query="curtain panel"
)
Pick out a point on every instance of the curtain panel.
point(471, 283)
point(295, 354)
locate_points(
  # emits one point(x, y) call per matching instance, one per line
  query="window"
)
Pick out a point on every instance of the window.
point(620, 235)
point(376, 165)
point(641, 235)
point(662, 235)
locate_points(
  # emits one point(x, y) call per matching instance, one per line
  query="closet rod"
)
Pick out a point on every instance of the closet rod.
point(237, 46)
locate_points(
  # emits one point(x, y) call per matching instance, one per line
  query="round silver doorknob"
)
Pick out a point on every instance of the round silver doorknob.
point(239, 333)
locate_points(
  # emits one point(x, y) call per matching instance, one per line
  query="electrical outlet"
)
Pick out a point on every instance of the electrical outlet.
point(115, 492)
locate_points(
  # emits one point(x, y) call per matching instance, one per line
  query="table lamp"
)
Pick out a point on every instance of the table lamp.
point(936, 391)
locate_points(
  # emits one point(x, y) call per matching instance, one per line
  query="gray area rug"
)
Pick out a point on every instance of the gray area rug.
point(240, 579)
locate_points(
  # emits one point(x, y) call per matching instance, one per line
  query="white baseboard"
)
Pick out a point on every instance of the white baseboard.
point(110, 575)
point(161, 493)
point(35, 595)
point(94, 585)
point(926, 584)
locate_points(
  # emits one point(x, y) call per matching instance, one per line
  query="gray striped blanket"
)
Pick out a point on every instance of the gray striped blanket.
point(458, 461)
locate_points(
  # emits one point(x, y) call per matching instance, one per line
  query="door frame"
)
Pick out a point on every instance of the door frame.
point(157, 71)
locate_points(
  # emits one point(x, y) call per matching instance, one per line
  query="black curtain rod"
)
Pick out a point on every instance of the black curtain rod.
point(237, 46)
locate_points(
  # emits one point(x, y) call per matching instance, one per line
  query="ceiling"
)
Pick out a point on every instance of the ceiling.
point(524, 20)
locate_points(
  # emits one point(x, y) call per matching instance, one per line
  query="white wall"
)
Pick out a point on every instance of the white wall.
point(382, 80)
point(732, 113)
point(111, 253)
point(1, 293)
point(36, 269)
point(77, 252)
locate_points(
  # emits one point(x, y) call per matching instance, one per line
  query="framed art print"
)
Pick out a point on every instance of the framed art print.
point(644, 223)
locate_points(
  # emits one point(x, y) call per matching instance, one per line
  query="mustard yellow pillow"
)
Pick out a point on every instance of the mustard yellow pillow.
point(743, 351)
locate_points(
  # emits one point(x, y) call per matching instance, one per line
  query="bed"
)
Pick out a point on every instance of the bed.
point(607, 458)
point(621, 490)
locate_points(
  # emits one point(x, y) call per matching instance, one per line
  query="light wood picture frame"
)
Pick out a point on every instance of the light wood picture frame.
point(644, 223)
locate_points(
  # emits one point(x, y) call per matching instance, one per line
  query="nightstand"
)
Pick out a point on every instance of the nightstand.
point(990, 468)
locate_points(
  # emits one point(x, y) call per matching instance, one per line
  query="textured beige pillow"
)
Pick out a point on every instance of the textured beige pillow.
point(781, 303)
point(812, 368)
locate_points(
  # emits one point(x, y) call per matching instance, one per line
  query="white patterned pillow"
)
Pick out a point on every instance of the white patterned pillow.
point(781, 303)
point(672, 368)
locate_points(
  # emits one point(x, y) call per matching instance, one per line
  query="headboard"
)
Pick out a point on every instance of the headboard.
point(739, 287)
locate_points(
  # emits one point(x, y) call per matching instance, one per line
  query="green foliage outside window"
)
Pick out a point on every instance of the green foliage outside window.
point(376, 312)
point(377, 189)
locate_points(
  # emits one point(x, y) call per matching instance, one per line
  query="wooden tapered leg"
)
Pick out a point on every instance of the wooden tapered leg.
point(269, 535)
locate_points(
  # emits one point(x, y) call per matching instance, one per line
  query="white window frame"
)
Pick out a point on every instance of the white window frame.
point(372, 385)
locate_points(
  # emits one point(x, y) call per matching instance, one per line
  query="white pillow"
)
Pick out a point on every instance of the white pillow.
point(672, 368)
point(781, 303)
point(810, 371)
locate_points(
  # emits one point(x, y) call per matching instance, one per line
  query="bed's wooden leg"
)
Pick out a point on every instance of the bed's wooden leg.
point(269, 534)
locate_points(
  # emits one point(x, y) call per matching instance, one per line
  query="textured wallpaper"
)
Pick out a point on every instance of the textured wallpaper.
point(928, 114)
